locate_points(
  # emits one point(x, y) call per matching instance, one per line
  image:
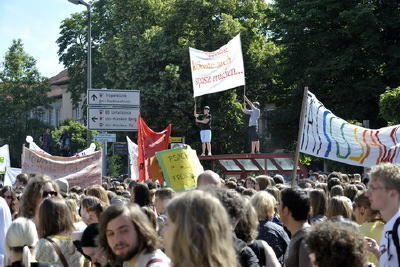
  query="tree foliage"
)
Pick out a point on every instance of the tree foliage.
point(78, 134)
point(22, 90)
point(144, 45)
point(343, 50)
point(389, 104)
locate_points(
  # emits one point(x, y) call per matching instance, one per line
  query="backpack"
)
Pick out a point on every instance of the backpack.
point(395, 238)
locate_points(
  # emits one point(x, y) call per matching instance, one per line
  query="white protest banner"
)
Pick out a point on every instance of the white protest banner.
point(133, 157)
point(11, 176)
point(82, 171)
point(219, 70)
point(328, 136)
point(4, 158)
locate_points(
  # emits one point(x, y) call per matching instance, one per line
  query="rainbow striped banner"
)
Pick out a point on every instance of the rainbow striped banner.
point(328, 136)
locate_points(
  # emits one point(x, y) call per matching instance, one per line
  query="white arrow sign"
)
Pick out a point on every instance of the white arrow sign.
point(113, 97)
point(113, 119)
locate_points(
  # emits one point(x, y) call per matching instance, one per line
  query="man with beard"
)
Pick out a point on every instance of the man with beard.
point(128, 237)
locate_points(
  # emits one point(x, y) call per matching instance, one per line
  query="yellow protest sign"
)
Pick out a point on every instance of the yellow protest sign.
point(180, 167)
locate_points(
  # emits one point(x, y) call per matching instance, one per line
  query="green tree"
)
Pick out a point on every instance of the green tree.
point(78, 133)
point(337, 49)
point(144, 45)
point(389, 104)
point(22, 90)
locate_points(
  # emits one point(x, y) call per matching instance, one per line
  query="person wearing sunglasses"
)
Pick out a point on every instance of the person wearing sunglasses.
point(8, 193)
point(38, 189)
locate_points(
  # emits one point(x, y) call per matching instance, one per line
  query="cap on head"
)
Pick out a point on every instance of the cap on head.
point(207, 107)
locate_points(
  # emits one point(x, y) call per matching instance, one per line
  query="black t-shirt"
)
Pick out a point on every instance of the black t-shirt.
point(205, 126)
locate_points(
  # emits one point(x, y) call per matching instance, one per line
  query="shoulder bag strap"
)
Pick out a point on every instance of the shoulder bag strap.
point(58, 251)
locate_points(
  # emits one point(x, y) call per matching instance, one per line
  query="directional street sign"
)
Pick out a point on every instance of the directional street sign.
point(113, 97)
point(113, 119)
point(105, 137)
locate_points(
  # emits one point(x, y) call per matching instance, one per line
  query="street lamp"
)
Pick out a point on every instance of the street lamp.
point(89, 63)
point(89, 56)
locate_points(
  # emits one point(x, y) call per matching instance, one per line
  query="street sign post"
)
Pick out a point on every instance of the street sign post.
point(112, 119)
point(105, 137)
point(112, 110)
point(113, 97)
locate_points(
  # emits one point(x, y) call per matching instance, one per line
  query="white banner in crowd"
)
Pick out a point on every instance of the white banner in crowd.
point(328, 136)
point(219, 70)
point(82, 171)
point(5, 166)
point(133, 157)
point(4, 158)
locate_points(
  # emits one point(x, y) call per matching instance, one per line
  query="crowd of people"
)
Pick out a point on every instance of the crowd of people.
point(327, 220)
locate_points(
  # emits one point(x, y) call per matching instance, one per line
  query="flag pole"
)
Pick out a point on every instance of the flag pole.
point(300, 133)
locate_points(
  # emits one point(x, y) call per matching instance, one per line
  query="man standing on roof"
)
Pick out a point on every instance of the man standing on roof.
point(204, 121)
point(254, 113)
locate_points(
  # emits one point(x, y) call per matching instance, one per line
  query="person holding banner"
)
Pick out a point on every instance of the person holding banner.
point(254, 113)
point(205, 130)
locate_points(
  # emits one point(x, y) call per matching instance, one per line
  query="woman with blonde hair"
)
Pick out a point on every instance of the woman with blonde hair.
point(20, 243)
point(55, 229)
point(39, 187)
point(340, 206)
point(318, 201)
point(274, 234)
point(370, 221)
point(198, 232)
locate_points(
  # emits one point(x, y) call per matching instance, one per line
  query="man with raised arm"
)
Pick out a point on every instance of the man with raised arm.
point(254, 113)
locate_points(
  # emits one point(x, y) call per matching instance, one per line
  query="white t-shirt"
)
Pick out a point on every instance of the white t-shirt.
point(5, 221)
point(387, 249)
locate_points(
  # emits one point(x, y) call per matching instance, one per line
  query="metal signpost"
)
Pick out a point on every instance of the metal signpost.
point(112, 110)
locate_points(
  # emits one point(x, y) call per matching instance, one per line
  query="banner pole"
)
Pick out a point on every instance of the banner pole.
point(300, 133)
point(244, 91)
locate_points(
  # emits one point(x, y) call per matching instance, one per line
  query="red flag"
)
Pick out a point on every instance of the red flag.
point(149, 142)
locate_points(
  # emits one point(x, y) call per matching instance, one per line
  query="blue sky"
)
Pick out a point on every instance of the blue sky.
point(37, 23)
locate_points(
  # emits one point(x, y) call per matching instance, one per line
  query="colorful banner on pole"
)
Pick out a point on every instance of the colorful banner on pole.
point(82, 171)
point(180, 167)
point(219, 70)
point(328, 136)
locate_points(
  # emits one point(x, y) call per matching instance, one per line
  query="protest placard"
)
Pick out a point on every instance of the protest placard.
point(180, 167)
point(219, 70)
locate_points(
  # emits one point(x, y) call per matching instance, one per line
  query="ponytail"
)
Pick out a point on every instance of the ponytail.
point(27, 257)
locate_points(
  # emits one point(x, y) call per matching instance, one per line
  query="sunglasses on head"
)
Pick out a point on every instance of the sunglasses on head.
point(47, 193)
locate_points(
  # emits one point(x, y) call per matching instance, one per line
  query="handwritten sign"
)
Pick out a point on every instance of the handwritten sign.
point(180, 167)
point(219, 70)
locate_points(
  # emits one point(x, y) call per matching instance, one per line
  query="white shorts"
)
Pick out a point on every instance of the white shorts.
point(205, 136)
